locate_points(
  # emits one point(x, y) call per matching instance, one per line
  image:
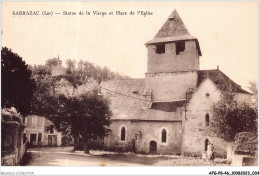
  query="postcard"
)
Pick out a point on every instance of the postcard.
point(129, 87)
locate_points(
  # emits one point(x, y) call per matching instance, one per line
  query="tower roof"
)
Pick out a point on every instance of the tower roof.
point(173, 27)
point(173, 30)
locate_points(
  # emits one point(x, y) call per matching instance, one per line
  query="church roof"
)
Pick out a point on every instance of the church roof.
point(173, 27)
point(173, 30)
point(129, 101)
point(222, 81)
point(168, 106)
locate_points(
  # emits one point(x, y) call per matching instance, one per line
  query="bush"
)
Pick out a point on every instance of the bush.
point(96, 145)
point(246, 142)
point(231, 117)
point(67, 140)
point(10, 114)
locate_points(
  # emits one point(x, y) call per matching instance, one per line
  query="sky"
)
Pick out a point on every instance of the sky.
point(227, 33)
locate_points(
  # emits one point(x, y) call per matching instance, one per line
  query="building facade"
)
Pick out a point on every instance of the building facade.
point(168, 112)
point(40, 131)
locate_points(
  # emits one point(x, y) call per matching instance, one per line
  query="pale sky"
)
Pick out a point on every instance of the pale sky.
point(227, 33)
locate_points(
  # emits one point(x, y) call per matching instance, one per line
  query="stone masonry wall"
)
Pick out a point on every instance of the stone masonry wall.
point(170, 86)
point(195, 131)
point(12, 146)
point(187, 60)
point(113, 142)
point(150, 131)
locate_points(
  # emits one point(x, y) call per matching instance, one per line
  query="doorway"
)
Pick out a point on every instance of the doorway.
point(49, 141)
point(33, 139)
point(52, 140)
point(153, 147)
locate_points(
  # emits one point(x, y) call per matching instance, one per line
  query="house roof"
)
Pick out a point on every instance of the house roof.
point(173, 30)
point(222, 81)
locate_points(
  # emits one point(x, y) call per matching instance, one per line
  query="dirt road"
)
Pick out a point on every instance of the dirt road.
point(64, 156)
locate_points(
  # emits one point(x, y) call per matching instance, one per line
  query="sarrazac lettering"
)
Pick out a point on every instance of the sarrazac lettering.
point(26, 13)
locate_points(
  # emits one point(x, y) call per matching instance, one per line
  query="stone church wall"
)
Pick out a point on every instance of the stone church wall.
point(113, 141)
point(195, 130)
point(150, 131)
point(170, 86)
point(187, 60)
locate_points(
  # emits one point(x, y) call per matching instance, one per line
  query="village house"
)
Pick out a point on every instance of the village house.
point(39, 131)
point(169, 111)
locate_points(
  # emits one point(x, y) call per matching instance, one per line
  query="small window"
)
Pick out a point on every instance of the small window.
point(206, 144)
point(163, 135)
point(123, 134)
point(160, 49)
point(171, 18)
point(34, 120)
point(52, 129)
point(46, 129)
point(40, 137)
point(180, 47)
point(24, 138)
point(207, 120)
point(135, 91)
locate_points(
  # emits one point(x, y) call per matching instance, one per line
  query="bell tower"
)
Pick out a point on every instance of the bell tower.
point(173, 49)
point(173, 61)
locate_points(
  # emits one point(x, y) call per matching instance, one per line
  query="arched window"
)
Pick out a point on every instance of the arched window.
point(123, 134)
point(163, 135)
point(207, 120)
point(206, 144)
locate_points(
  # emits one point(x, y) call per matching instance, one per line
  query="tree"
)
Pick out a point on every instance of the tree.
point(40, 70)
point(42, 93)
point(83, 113)
point(17, 84)
point(71, 68)
point(53, 62)
point(231, 117)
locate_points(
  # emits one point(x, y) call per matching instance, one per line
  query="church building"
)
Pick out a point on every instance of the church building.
point(169, 111)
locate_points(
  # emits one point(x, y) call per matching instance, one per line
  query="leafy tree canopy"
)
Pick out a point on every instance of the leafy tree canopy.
point(79, 111)
point(53, 62)
point(71, 101)
point(231, 117)
point(17, 84)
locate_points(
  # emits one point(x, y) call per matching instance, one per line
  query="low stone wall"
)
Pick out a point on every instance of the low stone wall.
point(13, 147)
